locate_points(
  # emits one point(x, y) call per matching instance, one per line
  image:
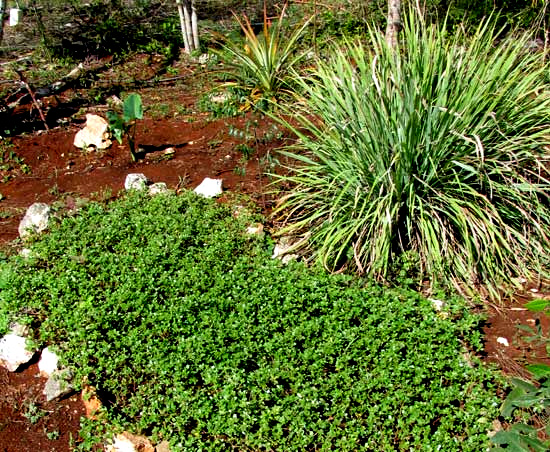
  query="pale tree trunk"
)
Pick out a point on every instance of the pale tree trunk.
point(188, 24)
point(188, 28)
point(182, 25)
point(2, 7)
point(394, 22)
point(194, 25)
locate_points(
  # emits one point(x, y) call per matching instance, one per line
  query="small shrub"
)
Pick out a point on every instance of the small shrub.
point(262, 65)
point(528, 404)
point(190, 332)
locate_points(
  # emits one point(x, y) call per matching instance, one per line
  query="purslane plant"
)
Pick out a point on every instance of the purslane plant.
point(438, 149)
point(191, 332)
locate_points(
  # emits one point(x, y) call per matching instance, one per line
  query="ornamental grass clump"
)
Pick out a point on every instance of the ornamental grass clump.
point(437, 149)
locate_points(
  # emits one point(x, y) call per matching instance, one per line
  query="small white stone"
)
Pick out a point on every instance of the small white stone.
point(48, 363)
point(35, 220)
point(135, 181)
point(19, 330)
point(128, 442)
point(503, 341)
point(255, 229)
point(437, 304)
point(25, 253)
point(279, 250)
point(289, 257)
point(219, 98)
point(58, 384)
point(158, 188)
point(13, 352)
point(209, 188)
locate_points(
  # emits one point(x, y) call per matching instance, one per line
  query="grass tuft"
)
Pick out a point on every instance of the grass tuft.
point(438, 150)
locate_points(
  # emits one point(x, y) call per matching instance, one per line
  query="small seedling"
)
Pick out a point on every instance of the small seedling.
point(53, 435)
point(34, 413)
point(125, 124)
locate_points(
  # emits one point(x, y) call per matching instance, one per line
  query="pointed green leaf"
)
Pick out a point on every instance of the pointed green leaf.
point(133, 109)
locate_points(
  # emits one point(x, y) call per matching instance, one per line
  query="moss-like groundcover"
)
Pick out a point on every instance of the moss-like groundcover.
point(191, 332)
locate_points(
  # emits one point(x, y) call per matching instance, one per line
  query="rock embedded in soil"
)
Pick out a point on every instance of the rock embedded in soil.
point(255, 229)
point(35, 220)
point(128, 442)
point(281, 251)
point(158, 188)
point(136, 181)
point(95, 133)
point(13, 351)
point(209, 188)
point(58, 384)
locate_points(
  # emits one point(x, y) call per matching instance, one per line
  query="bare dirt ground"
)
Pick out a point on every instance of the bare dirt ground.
point(57, 172)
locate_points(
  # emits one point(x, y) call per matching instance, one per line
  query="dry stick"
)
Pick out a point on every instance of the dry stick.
point(35, 102)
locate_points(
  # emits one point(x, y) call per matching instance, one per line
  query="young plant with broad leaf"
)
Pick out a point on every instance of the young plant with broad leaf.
point(125, 125)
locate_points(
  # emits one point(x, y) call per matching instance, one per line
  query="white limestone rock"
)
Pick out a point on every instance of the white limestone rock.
point(35, 220)
point(136, 181)
point(503, 341)
point(58, 384)
point(95, 133)
point(158, 188)
point(281, 251)
point(13, 351)
point(48, 363)
point(219, 98)
point(209, 188)
point(255, 229)
point(128, 442)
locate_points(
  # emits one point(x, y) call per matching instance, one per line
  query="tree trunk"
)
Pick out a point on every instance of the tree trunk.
point(188, 26)
point(194, 26)
point(2, 8)
point(182, 25)
point(394, 22)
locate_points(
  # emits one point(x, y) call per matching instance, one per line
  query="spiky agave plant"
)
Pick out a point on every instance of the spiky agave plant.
point(439, 149)
point(263, 65)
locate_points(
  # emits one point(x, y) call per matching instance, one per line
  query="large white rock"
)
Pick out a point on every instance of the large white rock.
point(95, 133)
point(48, 363)
point(136, 181)
point(35, 220)
point(209, 188)
point(13, 352)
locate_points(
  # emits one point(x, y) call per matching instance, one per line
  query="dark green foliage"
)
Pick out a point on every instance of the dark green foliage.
point(528, 399)
point(192, 333)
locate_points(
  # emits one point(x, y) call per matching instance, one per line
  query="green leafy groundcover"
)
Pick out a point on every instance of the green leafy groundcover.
point(191, 332)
